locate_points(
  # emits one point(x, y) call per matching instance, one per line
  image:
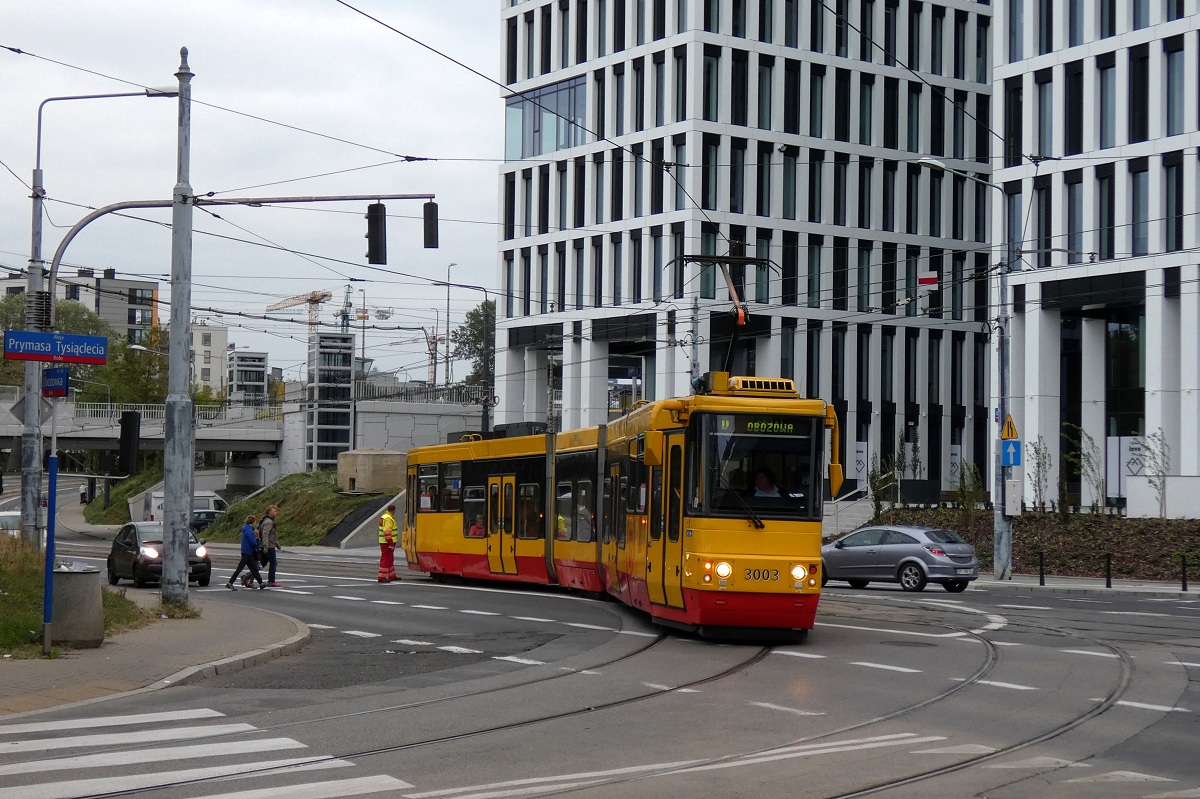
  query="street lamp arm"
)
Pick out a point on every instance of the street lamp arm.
point(147, 92)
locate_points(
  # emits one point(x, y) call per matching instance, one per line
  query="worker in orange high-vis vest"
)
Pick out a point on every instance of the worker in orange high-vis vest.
point(387, 545)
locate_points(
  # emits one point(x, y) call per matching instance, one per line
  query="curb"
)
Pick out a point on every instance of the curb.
point(194, 674)
point(1096, 590)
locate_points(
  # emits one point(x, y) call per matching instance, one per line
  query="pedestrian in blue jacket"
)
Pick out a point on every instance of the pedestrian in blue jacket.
point(249, 555)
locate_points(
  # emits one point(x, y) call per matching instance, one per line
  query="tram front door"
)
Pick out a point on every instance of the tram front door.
point(502, 540)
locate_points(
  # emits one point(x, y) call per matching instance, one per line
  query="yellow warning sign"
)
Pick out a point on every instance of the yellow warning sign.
point(1009, 433)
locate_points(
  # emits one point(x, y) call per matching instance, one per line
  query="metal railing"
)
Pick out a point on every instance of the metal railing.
point(408, 392)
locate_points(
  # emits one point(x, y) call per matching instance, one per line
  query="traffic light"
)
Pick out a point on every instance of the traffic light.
point(431, 225)
point(376, 233)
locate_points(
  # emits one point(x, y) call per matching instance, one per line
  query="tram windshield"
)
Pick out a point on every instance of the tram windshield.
point(757, 465)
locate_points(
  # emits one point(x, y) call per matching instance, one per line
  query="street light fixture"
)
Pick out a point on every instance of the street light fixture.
point(37, 317)
point(1002, 535)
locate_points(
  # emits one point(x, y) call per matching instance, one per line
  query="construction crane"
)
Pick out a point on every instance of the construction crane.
point(313, 299)
point(432, 342)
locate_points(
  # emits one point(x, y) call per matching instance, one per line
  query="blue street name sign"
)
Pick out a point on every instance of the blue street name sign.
point(27, 345)
point(56, 381)
point(1010, 453)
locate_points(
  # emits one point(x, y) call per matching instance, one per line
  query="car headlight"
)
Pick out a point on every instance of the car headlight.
point(799, 572)
point(723, 570)
point(148, 552)
point(201, 551)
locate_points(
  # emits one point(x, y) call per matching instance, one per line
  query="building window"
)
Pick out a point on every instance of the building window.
point(660, 90)
point(791, 23)
point(1073, 109)
point(141, 296)
point(1044, 210)
point(1045, 114)
point(935, 205)
point(1139, 93)
point(863, 282)
point(959, 146)
point(712, 76)
point(1173, 201)
point(680, 160)
point(639, 181)
point(712, 15)
point(1013, 122)
point(766, 70)
point(1174, 9)
point(889, 32)
point(913, 201)
point(958, 266)
point(791, 96)
point(597, 271)
point(817, 26)
point(72, 292)
point(618, 269)
point(619, 99)
point(889, 195)
point(866, 168)
point(680, 84)
point(1013, 223)
point(814, 270)
point(1108, 105)
point(841, 105)
point(866, 98)
point(542, 121)
point(914, 36)
point(1016, 30)
point(891, 113)
point(789, 183)
point(737, 175)
point(709, 167)
point(739, 89)
point(765, 153)
point(1075, 22)
point(708, 246)
point(1141, 14)
point(1173, 52)
point(841, 169)
point(981, 50)
point(816, 165)
point(762, 274)
point(1045, 29)
point(816, 100)
point(206, 339)
point(936, 35)
point(580, 278)
point(1139, 181)
point(598, 187)
point(206, 374)
point(739, 18)
point(1106, 223)
point(866, 31)
point(1074, 189)
point(958, 197)
point(960, 45)
point(1108, 18)
point(766, 20)
point(912, 259)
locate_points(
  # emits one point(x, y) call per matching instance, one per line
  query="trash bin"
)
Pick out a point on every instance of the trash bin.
point(78, 613)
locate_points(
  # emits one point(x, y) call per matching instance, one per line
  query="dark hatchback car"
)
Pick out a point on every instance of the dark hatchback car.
point(203, 517)
point(911, 556)
point(137, 555)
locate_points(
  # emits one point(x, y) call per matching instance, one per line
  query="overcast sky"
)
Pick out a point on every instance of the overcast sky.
point(309, 64)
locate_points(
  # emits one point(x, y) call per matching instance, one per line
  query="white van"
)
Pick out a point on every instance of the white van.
point(201, 500)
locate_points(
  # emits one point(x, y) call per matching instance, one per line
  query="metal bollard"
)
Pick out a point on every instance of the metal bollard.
point(1108, 570)
point(1183, 568)
point(1041, 568)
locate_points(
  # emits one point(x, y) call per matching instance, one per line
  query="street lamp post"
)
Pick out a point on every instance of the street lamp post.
point(489, 347)
point(448, 324)
point(1002, 534)
point(37, 317)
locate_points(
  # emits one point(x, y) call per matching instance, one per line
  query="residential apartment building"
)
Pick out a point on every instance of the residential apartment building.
point(209, 346)
point(247, 377)
point(130, 306)
point(644, 135)
point(1099, 111)
point(329, 411)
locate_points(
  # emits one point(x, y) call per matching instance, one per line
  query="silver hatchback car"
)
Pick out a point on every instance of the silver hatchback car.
point(911, 556)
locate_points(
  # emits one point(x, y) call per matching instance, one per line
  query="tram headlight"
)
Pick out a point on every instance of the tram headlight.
point(723, 570)
point(799, 572)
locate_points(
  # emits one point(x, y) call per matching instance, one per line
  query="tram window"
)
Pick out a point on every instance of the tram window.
point(411, 496)
point(474, 508)
point(427, 487)
point(494, 509)
point(451, 486)
point(619, 512)
point(585, 520)
point(675, 493)
point(563, 496)
point(635, 497)
point(605, 511)
point(507, 519)
point(655, 504)
point(529, 517)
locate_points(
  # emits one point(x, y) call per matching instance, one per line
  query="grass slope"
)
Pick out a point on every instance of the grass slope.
point(117, 511)
point(309, 507)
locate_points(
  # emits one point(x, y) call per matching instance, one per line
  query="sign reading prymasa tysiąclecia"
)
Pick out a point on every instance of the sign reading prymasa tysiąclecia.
point(25, 345)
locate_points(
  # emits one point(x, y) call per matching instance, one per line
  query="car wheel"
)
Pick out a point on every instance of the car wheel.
point(203, 581)
point(113, 579)
point(858, 583)
point(911, 577)
point(139, 580)
point(824, 575)
point(955, 586)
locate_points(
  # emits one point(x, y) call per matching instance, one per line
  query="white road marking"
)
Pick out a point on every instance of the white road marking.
point(1088, 652)
point(961, 749)
point(542, 784)
point(480, 612)
point(321, 626)
point(385, 602)
point(291, 591)
point(790, 654)
point(361, 634)
point(1192, 793)
point(583, 626)
point(885, 667)
point(321, 790)
point(344, 585)
point(1014, 686)
point(461, 650)
point(129, 758)
point(577, 671)
point(522, 661)
point(817, 749)
point(430, 607)
point(633, 632)
point(108, 721)
point(1040, 762)
point(1122, 776)
point(350, 598)
point(533, 618)
point(116, 739)
point(1181, 663)
point(131, 782)
point(1133, 613)
point(890, 631)
point(794, 711)
point(1090, 601)
point(1025, 607)
point(410, 642)
point(1144, 706)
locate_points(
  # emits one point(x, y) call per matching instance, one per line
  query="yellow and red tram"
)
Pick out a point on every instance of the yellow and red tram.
point(703, 511)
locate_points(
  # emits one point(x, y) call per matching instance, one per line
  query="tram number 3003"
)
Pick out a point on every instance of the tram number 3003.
point(764, 575)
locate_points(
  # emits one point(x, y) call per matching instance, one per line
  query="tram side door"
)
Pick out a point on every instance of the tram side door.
point(666, 571)
point(409, 535)
point(501, 536)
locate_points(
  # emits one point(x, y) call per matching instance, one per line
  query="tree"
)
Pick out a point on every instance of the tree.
point(1158, 462)
point(72, 318)
point(1041, 460)
point(475, 339)
point(1085, 458)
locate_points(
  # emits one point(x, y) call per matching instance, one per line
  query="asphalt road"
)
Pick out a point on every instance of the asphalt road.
point(419, 689)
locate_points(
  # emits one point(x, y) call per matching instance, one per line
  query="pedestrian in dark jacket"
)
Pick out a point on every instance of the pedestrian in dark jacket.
point(249, 555)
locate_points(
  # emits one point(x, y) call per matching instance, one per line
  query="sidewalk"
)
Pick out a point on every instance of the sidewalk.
point(225, 639)
point(1029, 584)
